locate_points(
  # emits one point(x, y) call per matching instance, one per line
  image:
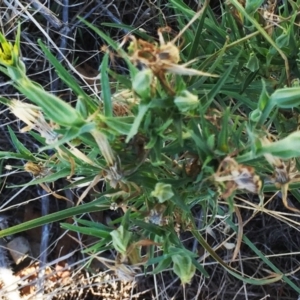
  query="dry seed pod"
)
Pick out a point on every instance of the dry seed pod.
point(160, 59)
point(237, 177)
point(156, 216)
point(35, 169)
point(164, 57)
point(284, 174)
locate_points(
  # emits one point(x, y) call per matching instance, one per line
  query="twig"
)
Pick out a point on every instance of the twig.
point(43, 247)
point(84, 9)
point(104, 7)
point(47, 14)
point(114, 18)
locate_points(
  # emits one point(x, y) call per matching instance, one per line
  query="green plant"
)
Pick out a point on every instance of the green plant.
point(188, 133)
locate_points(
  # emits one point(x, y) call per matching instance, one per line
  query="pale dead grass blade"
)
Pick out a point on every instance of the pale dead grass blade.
point(239, 235)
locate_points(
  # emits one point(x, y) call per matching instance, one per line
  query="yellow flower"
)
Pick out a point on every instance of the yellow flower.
point(9, 54)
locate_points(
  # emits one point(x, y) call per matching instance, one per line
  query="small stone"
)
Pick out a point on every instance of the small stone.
point(19, 249)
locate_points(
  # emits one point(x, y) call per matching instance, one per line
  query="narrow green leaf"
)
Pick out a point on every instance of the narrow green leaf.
point(130, 29)
point(262, 31)
point(151, 228)
point(49, 178)
point(19, 146)
point(224, 133)
point(217, 60)
point(143, 108)
point(199, 267)
point(13, 155)
point(54, 108)
point(113, 44)
point(163, 261)
point(180, 202)
point(121, 79)
point(3, 100)
point(102, 246)
point(106, 94)
point(158, 259)
point(108, 40)
point(97, 205)
point(102, 234)
point(121, 125)
point(253, 5)
point(63, 73)
point(93, 224)
point(195, 43)
point(217, 87)
point(185, 9)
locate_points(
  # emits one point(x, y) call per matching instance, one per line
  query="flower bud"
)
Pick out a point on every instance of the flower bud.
point(162, 192)
point(288, 147)
point(186, 101)
point(142, 82)
point(286, 97)
point(120, 239)
point(183, 267)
